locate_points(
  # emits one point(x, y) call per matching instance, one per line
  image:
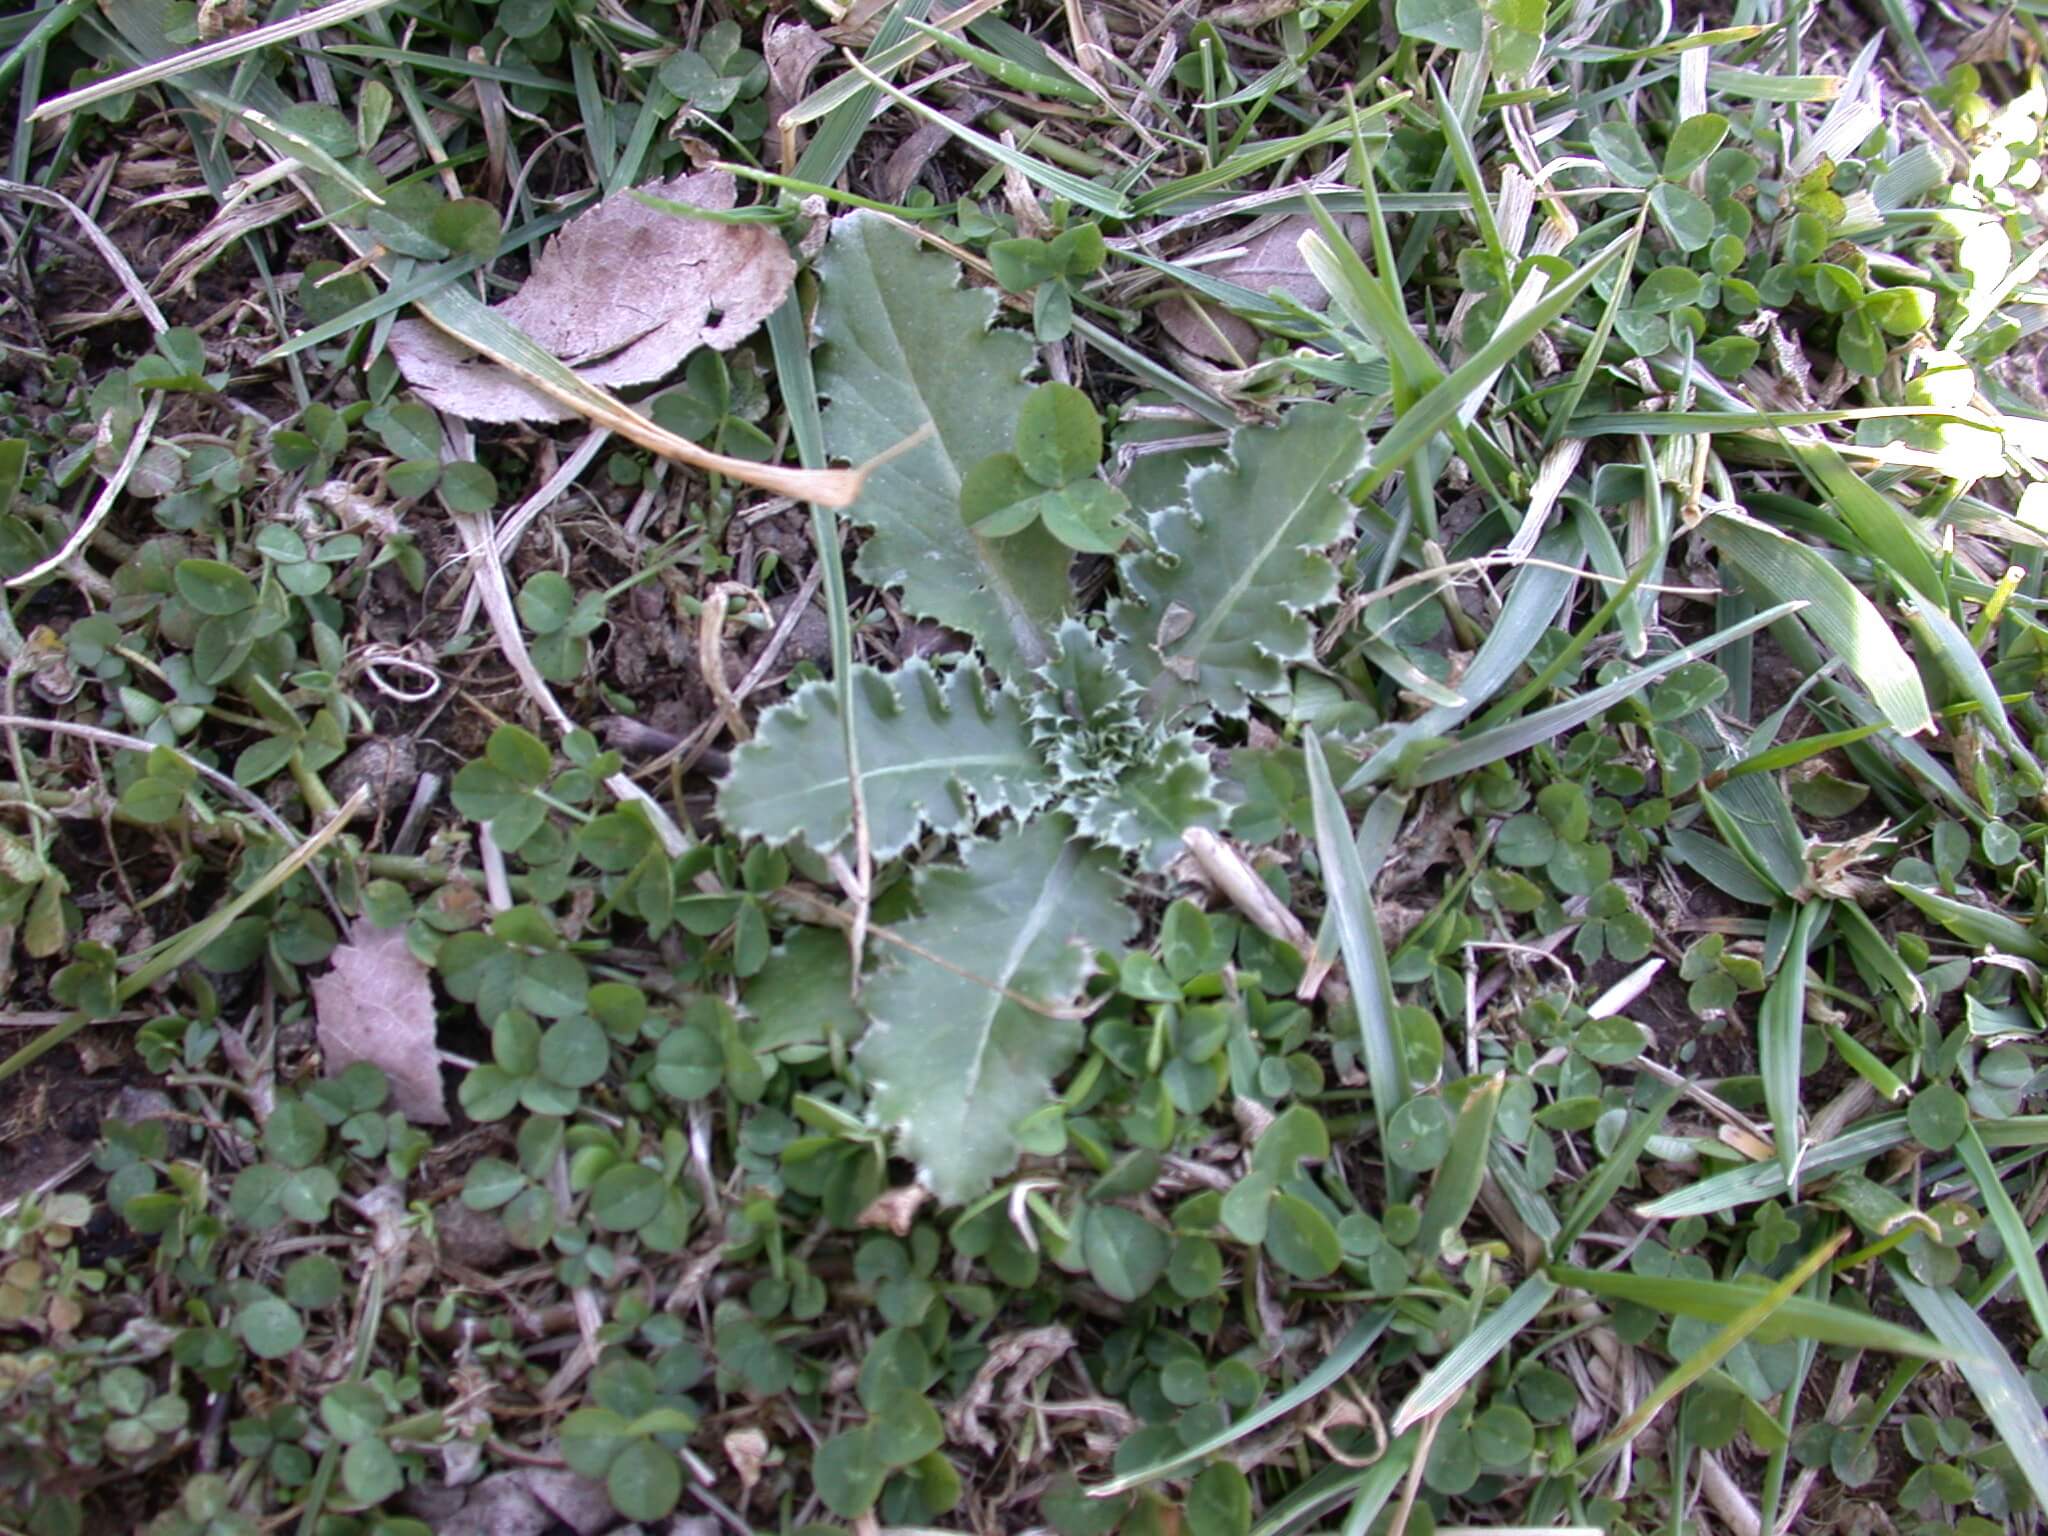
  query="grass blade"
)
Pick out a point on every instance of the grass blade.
point(1766, 1181)
point(1457, 1180)
point(1474, 752)
point(1724, 1301)
point(1349, 1351)
point(1886, 532)
point(1447, 1378)
point(1358, 937)
point(1599, 1189)
point(1977, 926)
point(1436, 410)
point(1779, 1023)
point(216, 52)
point(1775, 567)
point(1751, 1319)
point(2012, 1227)
point(1532, 606)
point(1990, 1371)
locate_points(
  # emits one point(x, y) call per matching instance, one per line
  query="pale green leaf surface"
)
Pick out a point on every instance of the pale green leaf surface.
point(1215, 615)
point(955, 1063)
point(937, 750)
point(1531, 607)
point(905, 348)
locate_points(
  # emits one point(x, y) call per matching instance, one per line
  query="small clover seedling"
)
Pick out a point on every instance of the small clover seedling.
point(1052, 267)
point(1050, 478)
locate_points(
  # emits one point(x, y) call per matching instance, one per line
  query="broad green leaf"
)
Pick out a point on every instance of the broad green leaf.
point(1723, 1301)
point(1777, 568)
point(1457, 24)
point(905, 349)
point(1126, 1253)
point(1300, 1239)
point(1692, 141)
point(955, 1055)
point(1621, 149)
point(644, 1481)
point(1059, 435)
point(1213, 617)
point(1682, 215)
point(1126, 782)
point(937, 750)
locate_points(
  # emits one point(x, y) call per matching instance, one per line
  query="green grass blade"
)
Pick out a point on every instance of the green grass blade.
point(1977, 926)
point(1776, 567)
point(1599, 1190)
point(1941, 638)
point(1358, 937)
point(1474, 752)
point(1335, 1366)
point(2012, 1227)
point(1531, 608)
point(1780, 1022)
point(1886, 532)
point(2001, 1389)
point(1439, 408)
point(1477, 1350)
point(1457, 1180)
point(1088, 194)
point(1766, 1181)
point(1725, 1301)
point(1751, 1319)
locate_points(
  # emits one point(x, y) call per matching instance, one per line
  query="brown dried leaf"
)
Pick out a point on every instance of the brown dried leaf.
point(1270, 259)
point(623, 294)
point(792, 50)
point(895, 1210)
point(376, 1005)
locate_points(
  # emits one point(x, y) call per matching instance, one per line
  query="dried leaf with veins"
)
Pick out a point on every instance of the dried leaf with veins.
point(623, 294)
point(377, 1005)
point(1269, 260)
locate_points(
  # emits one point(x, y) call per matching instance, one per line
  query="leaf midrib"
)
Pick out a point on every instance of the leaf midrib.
point(1233, 594)
point(1024, 759)
point(1027, 934)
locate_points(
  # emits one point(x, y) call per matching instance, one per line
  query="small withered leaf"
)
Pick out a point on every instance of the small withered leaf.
point(377, 1005)
point(623, 294)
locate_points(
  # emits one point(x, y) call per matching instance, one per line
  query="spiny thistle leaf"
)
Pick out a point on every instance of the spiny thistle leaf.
point(955, 1061)
point(905, 347)
point(937, 750)
point(1153, 801)
point(1218, 611)
point(1125, 781)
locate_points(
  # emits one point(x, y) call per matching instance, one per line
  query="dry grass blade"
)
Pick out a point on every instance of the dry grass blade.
point(219, 52)
point(471, 323)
